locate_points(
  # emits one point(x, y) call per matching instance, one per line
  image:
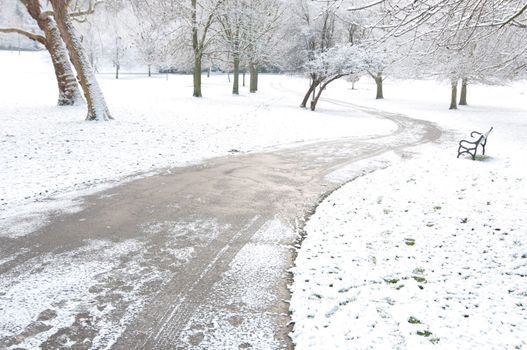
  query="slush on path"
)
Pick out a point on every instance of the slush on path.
point(196, 257)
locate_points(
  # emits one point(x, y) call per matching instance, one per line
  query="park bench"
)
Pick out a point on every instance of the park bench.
point(471, 147)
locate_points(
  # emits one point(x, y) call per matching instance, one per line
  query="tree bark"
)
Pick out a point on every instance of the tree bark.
point(256, 77)
point(198, 54)
point(315, 100)
point(453, 97)
point(197, 76)
point(378, 82)
point(149, 70)
point(312, 87)
point(463, 96)
point(236, 74)
point(97, 109)
point(253, 83)
point(117, 71)
point(243, 79)
point(69, 93)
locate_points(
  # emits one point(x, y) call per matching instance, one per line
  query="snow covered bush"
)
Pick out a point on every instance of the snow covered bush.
point(332, 64)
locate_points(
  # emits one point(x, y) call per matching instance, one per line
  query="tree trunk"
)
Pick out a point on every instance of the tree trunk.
point(378, 82)
point(312, 87)
point(149, 70)
point(97, 109)
point(117, 71)
point(453, 98)
point(243, 83)
point(236, 75)
point(352, 85)
point(315, 100)
point(69, 93)
point(92, 62)
point(463, 96)
point(256, 76)
point(197, 76)
point(208, 73)
point(198, 53)
point(252, 83)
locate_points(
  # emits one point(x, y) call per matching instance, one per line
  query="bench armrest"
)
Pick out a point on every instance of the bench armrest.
point(475, 132)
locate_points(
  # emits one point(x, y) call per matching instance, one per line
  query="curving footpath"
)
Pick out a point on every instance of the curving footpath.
point(196, 257)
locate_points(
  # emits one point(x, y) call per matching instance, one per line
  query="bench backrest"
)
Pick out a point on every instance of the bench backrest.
point(487, 134)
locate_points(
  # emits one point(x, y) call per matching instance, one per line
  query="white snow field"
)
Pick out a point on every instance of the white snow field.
point(434, 240)
point(49, 155)
point(430, 252)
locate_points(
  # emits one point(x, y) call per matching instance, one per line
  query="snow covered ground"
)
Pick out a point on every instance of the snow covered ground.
point(430, 252)
point(49, 152)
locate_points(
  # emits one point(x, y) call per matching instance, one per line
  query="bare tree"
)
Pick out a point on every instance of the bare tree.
point(249, 31)
point(232, 26)
point(263, 19)
point(202, 18)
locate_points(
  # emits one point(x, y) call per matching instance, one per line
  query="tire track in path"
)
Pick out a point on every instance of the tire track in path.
point(231, 292)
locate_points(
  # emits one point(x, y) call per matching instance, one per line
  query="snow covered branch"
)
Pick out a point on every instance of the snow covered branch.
point(35, 37)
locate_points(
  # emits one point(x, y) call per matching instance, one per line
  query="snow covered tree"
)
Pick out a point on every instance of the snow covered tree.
point(332, 64)
point(264, 17)
point(377, 62)
point(445, 19)
point(202, 14)
point(118, 55)
point(97, 109)
point(145, 38)
point(231, 20)
point(92, 42)
point(314, 28)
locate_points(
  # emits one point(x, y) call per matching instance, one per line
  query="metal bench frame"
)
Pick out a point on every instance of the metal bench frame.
point(471, 147)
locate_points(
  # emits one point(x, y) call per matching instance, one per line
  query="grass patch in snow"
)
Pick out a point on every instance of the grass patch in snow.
point(413, 320)
point(424, 333)
point(391, 280)
point(434, 340)
point(419, 279)
point(409, 241)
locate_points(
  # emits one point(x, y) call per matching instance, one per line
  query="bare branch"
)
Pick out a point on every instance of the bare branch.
point(29, 35)
point(365, 6)
point(88, 11)
point(518, 14)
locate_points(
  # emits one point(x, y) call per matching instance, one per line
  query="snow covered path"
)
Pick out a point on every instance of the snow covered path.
point(195, 257)
point(49, 154)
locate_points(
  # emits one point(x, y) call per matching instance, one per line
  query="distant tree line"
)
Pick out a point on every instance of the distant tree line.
point(461, 41)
